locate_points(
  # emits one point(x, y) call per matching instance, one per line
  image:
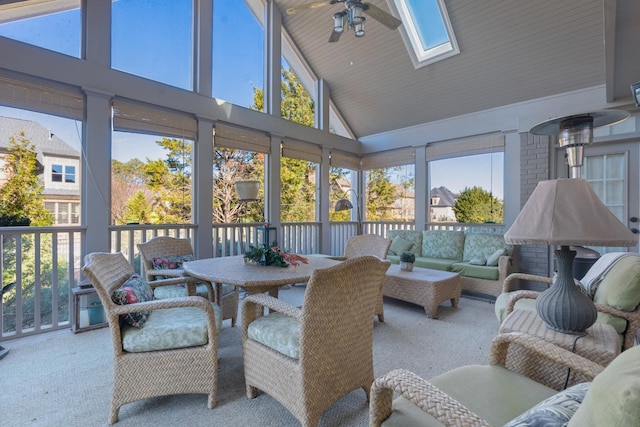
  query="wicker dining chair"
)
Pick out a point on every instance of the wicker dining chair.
point(368, 244)
point(309, 357)
point(171, 247)
point(175, 351)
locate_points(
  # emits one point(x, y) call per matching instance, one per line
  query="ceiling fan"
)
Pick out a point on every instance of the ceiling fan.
point(352, 16)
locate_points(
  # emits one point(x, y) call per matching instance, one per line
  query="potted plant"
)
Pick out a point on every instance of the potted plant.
point(406, 261)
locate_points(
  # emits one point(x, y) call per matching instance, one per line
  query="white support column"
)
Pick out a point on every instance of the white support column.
point(273, 53)
point(322, 105)
point(272, 185)
point(421, 188)
point(96, 31)
point(202, 190)
point(203, 47)
point(324, 206)
point(96, 171)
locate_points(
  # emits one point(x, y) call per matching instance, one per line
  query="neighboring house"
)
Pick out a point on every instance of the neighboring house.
point(442, 203)
point(58, 165)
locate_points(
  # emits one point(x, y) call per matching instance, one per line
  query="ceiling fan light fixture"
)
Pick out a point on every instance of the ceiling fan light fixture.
point(355, 14)
point(359, 28)
point(338, 22)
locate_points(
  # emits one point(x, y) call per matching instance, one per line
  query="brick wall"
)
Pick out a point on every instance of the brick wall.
point(534, 167)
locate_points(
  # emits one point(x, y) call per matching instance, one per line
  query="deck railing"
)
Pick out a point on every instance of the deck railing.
point(45, 262)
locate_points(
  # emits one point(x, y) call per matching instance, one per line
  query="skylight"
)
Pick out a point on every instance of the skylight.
point(427, 31)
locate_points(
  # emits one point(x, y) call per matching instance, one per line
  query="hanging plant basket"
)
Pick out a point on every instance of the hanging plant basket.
point(247, 190)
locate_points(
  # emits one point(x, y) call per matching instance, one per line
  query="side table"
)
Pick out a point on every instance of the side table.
point(600, 344)
point(88, 312)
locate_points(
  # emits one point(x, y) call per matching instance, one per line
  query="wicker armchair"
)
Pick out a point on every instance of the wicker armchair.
point(524, 299)
point(164, 246)
point(328, 342)
point(472, 395)
point(368, 244)
point(164, 369)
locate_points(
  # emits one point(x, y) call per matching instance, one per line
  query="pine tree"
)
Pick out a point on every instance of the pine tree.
point(477, 205)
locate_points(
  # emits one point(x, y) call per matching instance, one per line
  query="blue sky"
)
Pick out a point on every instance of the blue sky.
point(143, 28)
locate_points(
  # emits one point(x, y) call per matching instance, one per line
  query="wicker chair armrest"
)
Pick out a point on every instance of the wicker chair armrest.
point(338, 258)
point(253, 305)
point(421, 393)
point(508, 282)
point(518, 295)
point(540, 352)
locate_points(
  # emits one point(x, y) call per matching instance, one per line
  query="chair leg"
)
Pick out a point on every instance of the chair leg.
point(252, 392)
point(113, 414)
point(3, 351)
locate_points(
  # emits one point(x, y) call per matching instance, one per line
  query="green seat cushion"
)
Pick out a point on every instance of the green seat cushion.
point(413, 236)
point(277, 331)
point(614, 396)
point(435, 263)
point(478, 271)
point(556, 410)
point(620, 287)
point(170, 328)
point(492, 392)
point(178, 291)
point(482, 245)
point(445, 244)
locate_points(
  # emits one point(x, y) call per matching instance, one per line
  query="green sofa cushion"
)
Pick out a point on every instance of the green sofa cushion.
point(614, 396)
point(435, 263)
point(478, 271)
point(620, 287)
point(444, 244)
point(170, 328)
point(482, 245)
point(277, 331)
point(492, 392)
point(413, 236)
point(398, 245)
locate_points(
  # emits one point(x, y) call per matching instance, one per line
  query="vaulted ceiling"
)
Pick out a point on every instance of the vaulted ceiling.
point(510, 52)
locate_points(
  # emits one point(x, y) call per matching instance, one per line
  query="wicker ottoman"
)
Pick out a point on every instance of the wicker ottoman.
point(423, 286)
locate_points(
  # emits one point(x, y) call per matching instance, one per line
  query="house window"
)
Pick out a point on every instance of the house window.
point(56, 173)
point(60, 173)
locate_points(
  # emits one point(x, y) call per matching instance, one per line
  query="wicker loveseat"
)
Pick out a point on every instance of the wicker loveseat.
point(483, 260)
point(491, 395)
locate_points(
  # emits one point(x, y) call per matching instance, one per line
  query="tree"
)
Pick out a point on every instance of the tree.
point(126, 180)
point(381, 194)
point(476, 205)
point(138, 209)
point(298, 191)
point(21, 196)
point(170, 182)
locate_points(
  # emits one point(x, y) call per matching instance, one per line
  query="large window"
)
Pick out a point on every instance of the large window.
point(467, 189)
point(238, 54)
point(153, 39)
point(54, 25)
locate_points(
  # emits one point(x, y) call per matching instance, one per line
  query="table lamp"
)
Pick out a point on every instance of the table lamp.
point(567, 212)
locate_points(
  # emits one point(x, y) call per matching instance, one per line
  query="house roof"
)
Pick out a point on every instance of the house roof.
point(510, 52)
point(446, 197)
point(45, 142)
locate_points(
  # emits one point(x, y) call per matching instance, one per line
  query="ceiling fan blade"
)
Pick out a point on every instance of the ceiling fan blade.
point(334, 37)
point(381, 16)
point(314, 5)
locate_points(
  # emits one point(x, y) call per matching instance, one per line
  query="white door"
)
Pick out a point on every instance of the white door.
point(613, 172)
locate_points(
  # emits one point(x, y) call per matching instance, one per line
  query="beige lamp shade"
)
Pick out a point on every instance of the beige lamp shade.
point(568, 212)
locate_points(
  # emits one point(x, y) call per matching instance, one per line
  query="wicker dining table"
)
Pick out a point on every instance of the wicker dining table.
point(254, 278)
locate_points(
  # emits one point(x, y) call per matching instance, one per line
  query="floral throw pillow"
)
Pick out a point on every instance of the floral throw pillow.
point(170, 263)
point(133, 291)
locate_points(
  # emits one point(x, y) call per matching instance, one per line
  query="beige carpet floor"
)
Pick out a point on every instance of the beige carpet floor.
point(65, 379)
